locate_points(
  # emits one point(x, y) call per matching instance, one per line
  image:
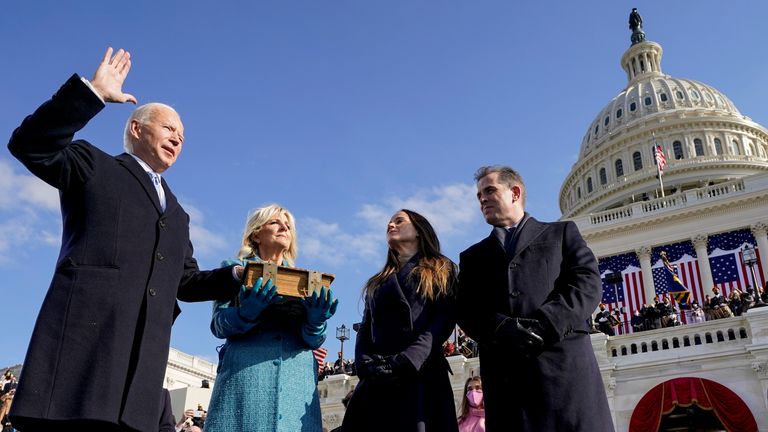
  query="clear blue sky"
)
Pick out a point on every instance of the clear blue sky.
point(343, 111)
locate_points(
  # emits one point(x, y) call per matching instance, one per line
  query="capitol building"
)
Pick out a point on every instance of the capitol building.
point(704, 209)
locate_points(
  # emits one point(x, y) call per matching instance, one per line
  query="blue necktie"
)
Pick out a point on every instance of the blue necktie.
point(509, 243)
point(158, 187)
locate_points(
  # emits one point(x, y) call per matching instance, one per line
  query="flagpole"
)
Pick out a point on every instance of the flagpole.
point(658, 167)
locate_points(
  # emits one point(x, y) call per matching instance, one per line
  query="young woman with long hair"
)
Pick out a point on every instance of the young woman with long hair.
point(409, 313)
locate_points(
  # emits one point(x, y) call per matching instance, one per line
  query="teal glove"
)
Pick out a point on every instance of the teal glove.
point(320, 307)
point(254, 301)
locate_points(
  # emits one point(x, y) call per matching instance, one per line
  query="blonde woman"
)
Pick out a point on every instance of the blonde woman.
point(267, 377)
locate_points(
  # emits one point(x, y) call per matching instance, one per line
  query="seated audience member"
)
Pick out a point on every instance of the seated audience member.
point(697, 313)
point(637, 321)
point(735, 303)
point(603, 320)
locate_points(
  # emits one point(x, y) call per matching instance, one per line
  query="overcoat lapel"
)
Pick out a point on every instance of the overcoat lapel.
point(528, 233)
point(141, 176)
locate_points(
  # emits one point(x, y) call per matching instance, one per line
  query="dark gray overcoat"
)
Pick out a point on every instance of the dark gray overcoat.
point(398, 320)
point(552, 275)
point(100, 344)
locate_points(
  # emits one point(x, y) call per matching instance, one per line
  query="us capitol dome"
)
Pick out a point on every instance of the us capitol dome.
point(706, 140)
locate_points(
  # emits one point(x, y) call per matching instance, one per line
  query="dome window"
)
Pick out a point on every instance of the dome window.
point(619, 168)
point(695, 94)
point(637, 161)
point(679, 95)
point(677, 149)
point(589, 185)
point(607, 118)
point(632, 106)
point(648, 100)
point(718, 147)
point(663, 97)
point(597, 129)
point(698, 147)
point(578, 192)
point(603, 176)
point(619, 112)
point(735, 148)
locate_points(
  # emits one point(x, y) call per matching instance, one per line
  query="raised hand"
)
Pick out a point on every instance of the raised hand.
point(109, 76)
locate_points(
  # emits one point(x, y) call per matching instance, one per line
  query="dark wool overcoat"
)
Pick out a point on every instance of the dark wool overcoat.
point(551, 275)
point(398, 320)
point(100, 344)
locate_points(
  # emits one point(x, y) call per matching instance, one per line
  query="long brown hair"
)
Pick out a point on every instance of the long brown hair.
point(464, 403)
point(434, 271)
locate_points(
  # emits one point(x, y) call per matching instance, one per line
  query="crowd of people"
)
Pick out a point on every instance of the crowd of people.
point(663, 312)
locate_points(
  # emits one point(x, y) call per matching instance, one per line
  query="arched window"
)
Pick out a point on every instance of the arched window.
point(749, 149)
point(607, 118)
point(677, 149)
point(632, 106)
point(698, 147)
point(603, 176)
point(637, 160)
point(578, 192)
point(619, 168)
point(718, 146)
point(619, 112)
point(589, 185)
point(648, 100)
point(663, 97)
point(597, 128)
point(679, 94)
point(735, 148)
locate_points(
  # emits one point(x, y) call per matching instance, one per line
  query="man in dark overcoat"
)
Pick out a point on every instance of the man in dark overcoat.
point(526, 294)
point(98, 352)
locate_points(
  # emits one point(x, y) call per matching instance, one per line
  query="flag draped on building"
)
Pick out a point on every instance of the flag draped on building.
point(627, 295)
point(725, 257)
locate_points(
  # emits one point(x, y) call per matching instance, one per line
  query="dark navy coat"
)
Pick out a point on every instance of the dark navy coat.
point(100, 344)
point(398, 320)
point(552, 275)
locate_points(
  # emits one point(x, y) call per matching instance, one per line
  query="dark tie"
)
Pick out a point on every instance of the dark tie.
point(509, 241)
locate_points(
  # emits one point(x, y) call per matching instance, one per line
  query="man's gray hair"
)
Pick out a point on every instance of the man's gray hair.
point(507, 175)
point(142, 115)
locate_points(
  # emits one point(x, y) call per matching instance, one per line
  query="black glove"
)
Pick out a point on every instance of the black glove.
point(524, 336)
point(386, 368)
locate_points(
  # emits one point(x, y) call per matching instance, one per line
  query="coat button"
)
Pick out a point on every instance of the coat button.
point(152, 292)
point(159, 256)
point(162, 223)
point(513, 266)
point(514, 294)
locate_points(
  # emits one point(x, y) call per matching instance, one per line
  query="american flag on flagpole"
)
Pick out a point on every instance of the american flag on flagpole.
point(661, 160)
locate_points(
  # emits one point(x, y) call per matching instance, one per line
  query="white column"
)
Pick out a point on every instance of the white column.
point(760, 231)
point(700, 244)
point(644, 255)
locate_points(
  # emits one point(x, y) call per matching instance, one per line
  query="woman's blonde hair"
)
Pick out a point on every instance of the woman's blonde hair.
point(256, 219)
point(434, 271)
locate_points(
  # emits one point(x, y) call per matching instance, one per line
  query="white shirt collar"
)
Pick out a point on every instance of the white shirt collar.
point(144, 165)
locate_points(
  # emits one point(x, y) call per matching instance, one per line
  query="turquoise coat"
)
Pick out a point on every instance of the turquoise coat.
point(267, 377)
